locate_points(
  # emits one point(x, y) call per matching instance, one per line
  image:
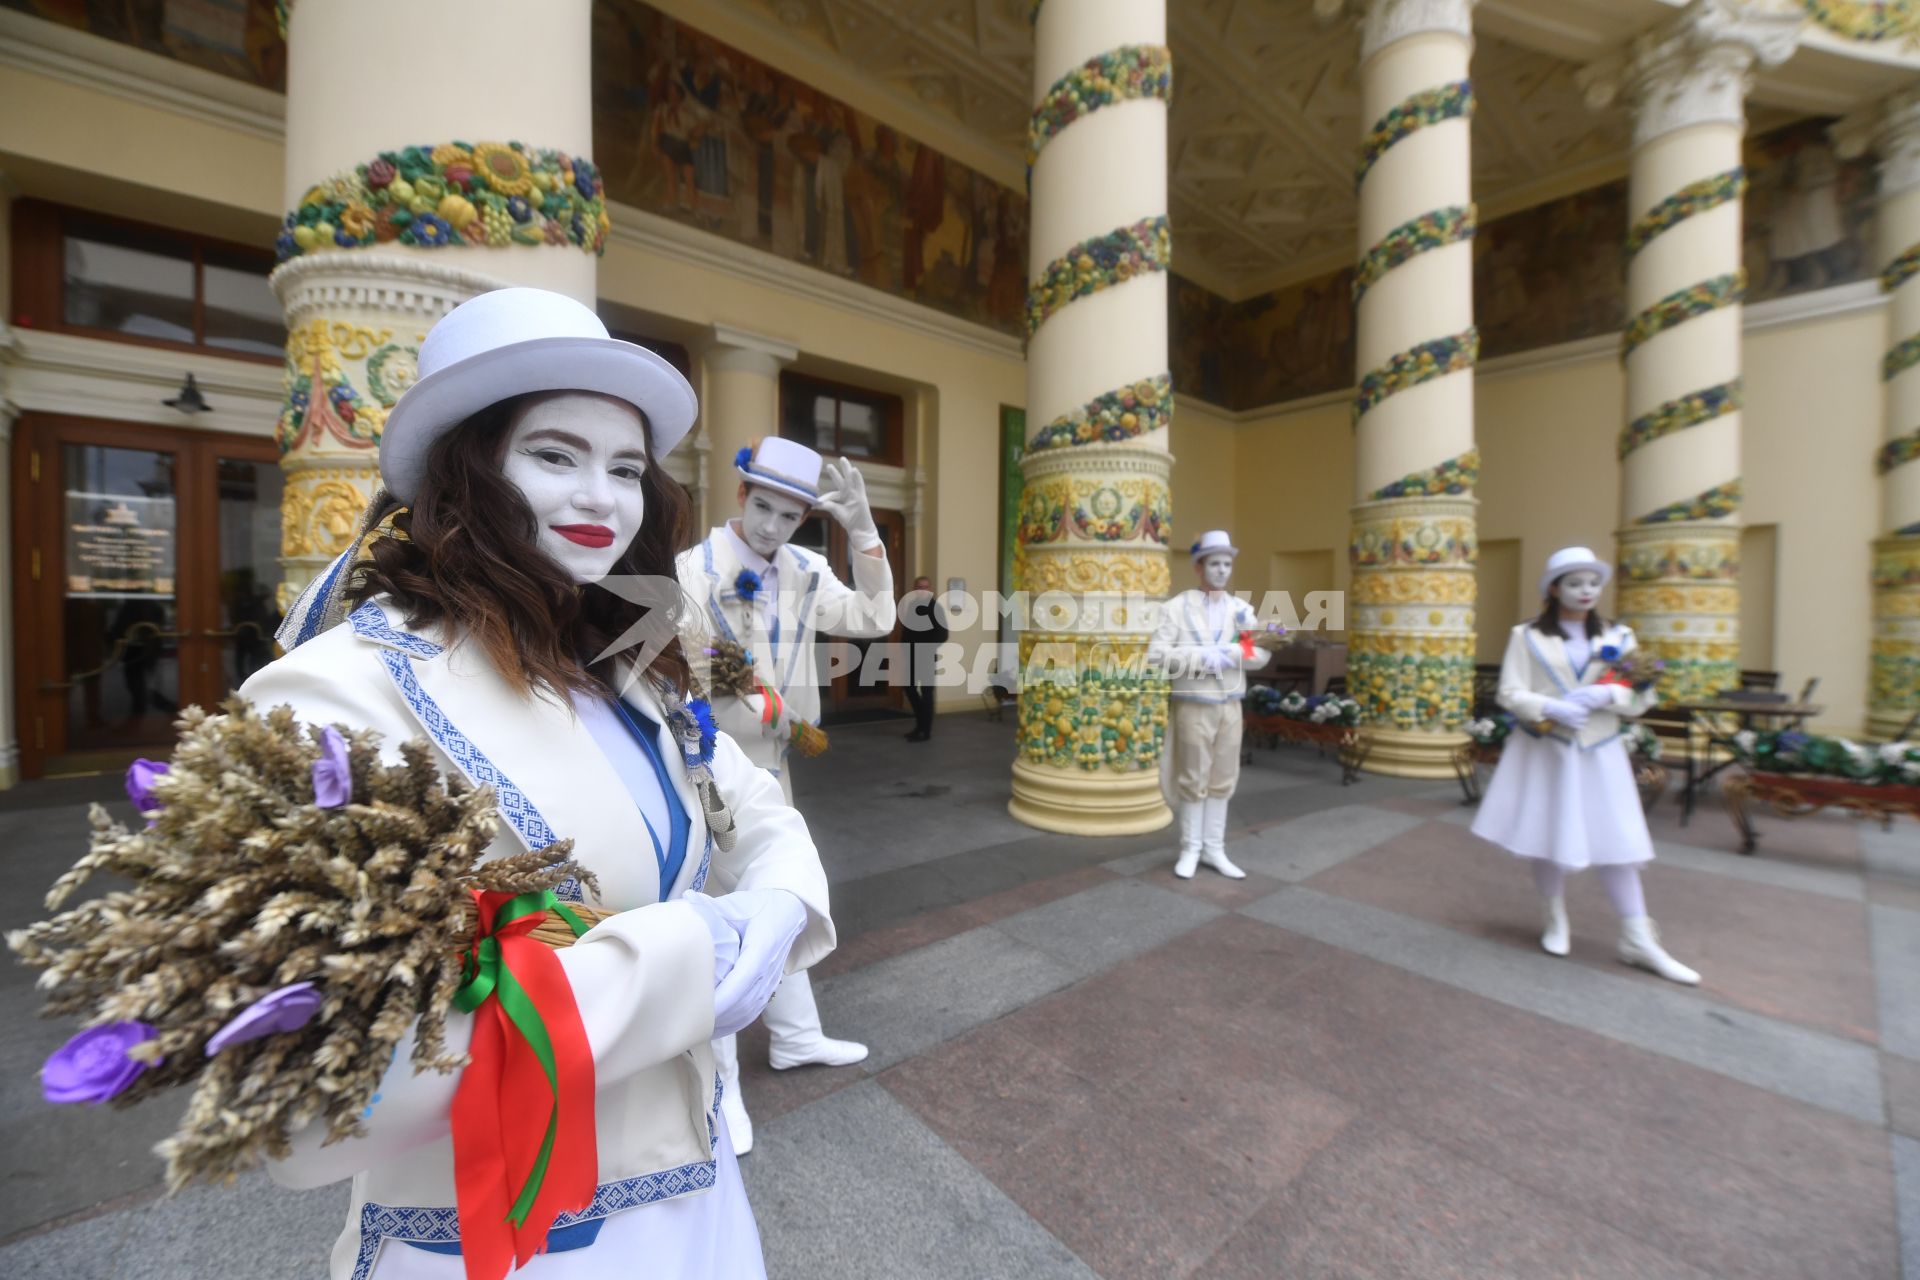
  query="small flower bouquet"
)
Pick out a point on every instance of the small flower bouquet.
point(731, 671)
point(1490, 731)
point(1267, 639)
point(1636, 668)
point(1321, 708)
point(1792, 751)
point(1642, 742)
point(293, 907)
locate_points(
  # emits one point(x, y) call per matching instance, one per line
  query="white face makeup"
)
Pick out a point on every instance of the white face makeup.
point(1215, 571)
point(768, 518)
point(577, 459)
point(1578, 591)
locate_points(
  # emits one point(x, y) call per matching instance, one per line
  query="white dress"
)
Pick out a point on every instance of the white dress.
point(1565, 797)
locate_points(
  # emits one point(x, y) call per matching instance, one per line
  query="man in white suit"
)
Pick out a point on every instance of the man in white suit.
point(748, 585)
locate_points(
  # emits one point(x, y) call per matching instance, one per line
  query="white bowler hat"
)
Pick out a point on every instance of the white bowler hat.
point(780, 464)
point(1214, 542)
point(1569, 560)
point(513, 341)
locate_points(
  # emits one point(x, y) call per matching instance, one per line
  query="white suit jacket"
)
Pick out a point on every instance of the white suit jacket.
point(1186, 630)
point(811, 601)
point(643, 979)
point(1537, 670)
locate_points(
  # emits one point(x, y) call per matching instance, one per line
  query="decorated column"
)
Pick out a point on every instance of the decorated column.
point(1412, 549)
point(407, 196)
point(1094, 519)
point(1680, 451)
point(742, 404)
point(1892, 130)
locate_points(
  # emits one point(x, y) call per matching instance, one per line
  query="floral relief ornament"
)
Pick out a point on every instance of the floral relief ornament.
point(490, 193)
point(1119, 75)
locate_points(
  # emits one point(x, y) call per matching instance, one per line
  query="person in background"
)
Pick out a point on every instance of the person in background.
point(924, 623)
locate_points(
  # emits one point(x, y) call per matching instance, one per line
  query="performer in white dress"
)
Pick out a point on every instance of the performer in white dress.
point(527, 458)
point(1203, 644)
point(1563, 795)
point(750, 586)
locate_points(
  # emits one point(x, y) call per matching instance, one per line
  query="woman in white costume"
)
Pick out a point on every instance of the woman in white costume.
point(527, 458)
point(1563, 796)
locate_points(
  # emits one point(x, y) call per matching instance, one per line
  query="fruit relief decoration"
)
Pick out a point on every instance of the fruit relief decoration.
point(453, 193)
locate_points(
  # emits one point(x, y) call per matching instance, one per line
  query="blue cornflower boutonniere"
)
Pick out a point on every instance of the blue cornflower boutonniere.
point(747, 584)
point(742, 458)
point(1609, 653)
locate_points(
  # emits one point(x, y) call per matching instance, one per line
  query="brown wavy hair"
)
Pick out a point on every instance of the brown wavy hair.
point(465, 557)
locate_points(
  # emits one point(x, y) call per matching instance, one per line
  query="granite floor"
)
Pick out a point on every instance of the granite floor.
point(1356, 1063)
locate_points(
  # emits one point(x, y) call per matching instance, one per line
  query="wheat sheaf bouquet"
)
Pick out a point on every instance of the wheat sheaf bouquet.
point(295, 906)
point(730, 669)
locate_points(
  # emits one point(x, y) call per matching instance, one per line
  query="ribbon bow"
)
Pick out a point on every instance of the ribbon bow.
point(529, 1046)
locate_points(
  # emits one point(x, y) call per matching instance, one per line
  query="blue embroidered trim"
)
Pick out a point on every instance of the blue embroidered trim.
point(370, 623)
point(321, 593)
point(1545, 663)
point(380, 1223)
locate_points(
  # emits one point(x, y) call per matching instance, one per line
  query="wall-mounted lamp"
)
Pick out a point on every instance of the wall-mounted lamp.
point(189, 399)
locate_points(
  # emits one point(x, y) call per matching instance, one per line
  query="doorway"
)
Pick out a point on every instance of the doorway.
point(146, 563)
point(847, 696)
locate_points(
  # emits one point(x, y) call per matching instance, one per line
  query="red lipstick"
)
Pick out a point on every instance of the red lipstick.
point(586, 535)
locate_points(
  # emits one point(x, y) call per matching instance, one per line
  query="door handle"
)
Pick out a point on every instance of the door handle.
point(135, 632)
point(258, 631)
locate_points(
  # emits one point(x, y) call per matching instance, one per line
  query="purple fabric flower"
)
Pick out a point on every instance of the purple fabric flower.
point(747, 584)
point(94, 1066)
point(332, 774)
point(288, 1009)
point(141, 775)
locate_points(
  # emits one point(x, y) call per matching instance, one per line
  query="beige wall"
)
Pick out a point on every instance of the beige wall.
point(1292, 483)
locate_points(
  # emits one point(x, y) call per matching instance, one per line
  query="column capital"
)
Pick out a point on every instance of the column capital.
point(1890, 130)
point(1696, 69)
point(1385, 22)
point(732, 350)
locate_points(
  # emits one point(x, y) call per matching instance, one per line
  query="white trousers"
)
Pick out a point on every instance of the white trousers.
point(1206, 747)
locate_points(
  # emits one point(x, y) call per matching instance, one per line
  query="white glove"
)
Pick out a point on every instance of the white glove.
point(726, 939)
point(768, 922)
point(1594, 697)
point(843, 495)
point(1570, 714)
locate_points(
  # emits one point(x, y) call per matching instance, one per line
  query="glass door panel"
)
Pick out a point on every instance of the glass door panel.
point(120, 658)
point(249, 567)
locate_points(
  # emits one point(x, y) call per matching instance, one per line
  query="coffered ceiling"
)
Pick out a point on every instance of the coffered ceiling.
point(1265, 113)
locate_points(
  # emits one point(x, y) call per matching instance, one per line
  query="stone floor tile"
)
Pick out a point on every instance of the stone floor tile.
point(990, 1093)
point(1297, 850)
point(1901, 1078)
point(1382, 1205)
point(1092, 931)
point(854, 1187)
point(252, 1230)
point(1895, 935)
point(1906, 1164)
point(769, 1093)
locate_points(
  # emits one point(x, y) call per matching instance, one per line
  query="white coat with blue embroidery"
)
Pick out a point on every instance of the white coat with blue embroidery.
point(1556, 794)
point(643, 978)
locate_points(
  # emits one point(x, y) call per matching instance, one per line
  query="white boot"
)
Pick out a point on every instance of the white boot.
point(1214, 847)
point(726, 1056)
point(1640, 945)
point(1556, 939)
point(1192, 814)
point(793, 1020)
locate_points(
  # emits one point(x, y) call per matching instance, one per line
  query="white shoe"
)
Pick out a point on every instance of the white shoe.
point(793, 1026)
point(1192, 815)
point(1640, 946)
point(1214, 845)
point(1557, 939)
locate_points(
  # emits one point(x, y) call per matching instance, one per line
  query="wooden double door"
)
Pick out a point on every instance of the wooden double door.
point(146, 570)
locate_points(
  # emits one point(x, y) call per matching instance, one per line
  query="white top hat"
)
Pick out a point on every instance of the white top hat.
point(781, 464)
point(1568, 560)
point(1214, 542)
point(513, 341)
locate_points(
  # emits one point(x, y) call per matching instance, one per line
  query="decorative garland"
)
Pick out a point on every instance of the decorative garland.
point(1429, 106)
point(1695, 197)
point(1423, 363)
point(1454, 476)
point(1433, 230)
point(493, 193)
point(1793, 751)
point(1677, 415)
point(1118, 415)
point(1871, 20)
point(1896, 452)
point(1120, 75)
point(1099, 263)
point(1900, 359)
point(1901, 269)
point(1683, 305)
point(1721, 500)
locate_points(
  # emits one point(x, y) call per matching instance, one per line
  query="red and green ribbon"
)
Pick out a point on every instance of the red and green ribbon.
point(518, 1165)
